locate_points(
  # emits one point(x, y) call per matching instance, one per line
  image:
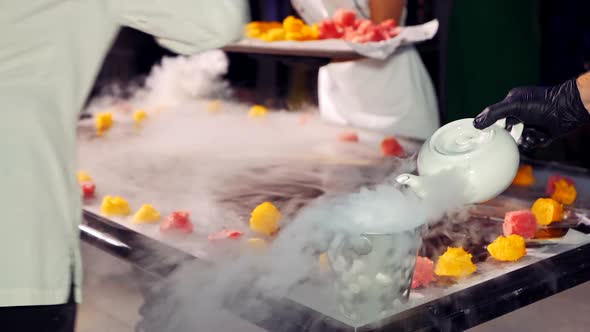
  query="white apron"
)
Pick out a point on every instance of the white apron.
point(394, 96)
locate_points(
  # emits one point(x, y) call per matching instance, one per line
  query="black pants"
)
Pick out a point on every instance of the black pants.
point(49, 318)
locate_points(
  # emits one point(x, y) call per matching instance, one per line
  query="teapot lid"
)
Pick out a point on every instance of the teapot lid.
point(460, 137)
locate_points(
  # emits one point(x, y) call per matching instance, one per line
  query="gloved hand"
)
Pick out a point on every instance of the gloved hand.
point(546, 113)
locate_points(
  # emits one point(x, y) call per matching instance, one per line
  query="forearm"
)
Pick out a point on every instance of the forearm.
point(583, 83)
point(382, 10)
point(185, 26)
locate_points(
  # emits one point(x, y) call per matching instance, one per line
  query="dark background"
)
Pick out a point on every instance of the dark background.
point(564, 47)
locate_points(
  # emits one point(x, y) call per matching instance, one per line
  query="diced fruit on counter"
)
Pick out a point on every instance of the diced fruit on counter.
point(523, 223)
point(324, 263)
point(257, 111)
point(348, 136)
point(257, 243)
point(139, 116)
point(103, 122)
point(524, 177)
point(179, 220)
point(147, 214)
point(390, 147)
point(423, 272)
point(115, 206)
point(83, 177)
point(214, 106)
point(547, 211)
point(265, 219)
point(88, 190)
point(455, 262)
point(225, 234)
point(553, 179)
point(508, 248)
point(564, 192)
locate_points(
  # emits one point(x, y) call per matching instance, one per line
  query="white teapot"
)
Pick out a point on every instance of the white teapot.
point(486, 160)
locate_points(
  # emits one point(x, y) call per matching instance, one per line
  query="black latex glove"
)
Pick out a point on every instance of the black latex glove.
point(546, 113)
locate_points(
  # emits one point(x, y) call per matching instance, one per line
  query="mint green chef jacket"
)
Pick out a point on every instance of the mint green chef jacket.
point(50, 52)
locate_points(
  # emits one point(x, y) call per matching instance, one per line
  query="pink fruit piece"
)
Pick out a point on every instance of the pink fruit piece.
point(88, 189)
point(349, 34)
point(303, 119)
point(388, 24)
point(348, 136)
point(225, 234)
point(554, 178)
point(423, 272)
point(361, 39)
point(329, 30)
point(344, 18)
point(390, 146)
point(179, 220)
point(363, 26)
point(375, 35)
point(521, 223)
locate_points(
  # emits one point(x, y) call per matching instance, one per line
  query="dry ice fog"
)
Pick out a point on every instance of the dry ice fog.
point(219, 166)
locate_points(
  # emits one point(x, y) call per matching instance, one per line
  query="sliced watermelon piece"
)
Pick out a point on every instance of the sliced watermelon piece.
point(348, 136)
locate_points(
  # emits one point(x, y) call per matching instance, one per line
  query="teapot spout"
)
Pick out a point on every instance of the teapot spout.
point(414, 182)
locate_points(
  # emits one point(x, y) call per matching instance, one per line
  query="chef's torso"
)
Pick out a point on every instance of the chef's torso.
point(50, 53)
point(393, 96)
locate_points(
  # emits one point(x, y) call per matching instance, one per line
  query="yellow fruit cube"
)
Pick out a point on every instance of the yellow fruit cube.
point(455, 262)
point(139, 116)
point(276, 34)
point(83, 177)
point(257, 243)
point(214, 106)
point(524, 177)
point(295, 35)
point(292, 24)
point(315, 32)
point(146, 214)
point(265, 219)
point(564, 193)
point(547, 211)
point(508, 249)
point(103, 121)
point(115, 206)
point(324, 263)
point(308, 33)
point(257, 111)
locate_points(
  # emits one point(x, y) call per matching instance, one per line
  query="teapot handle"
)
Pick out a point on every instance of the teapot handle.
point(516, 130)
